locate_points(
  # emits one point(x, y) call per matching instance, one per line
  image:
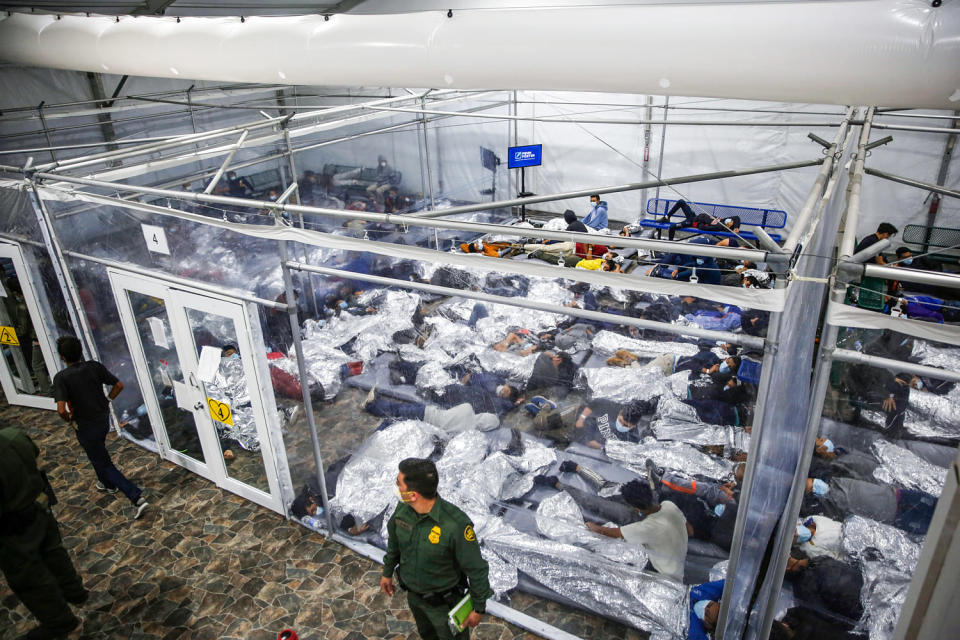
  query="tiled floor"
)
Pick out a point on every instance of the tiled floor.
point(203, 563)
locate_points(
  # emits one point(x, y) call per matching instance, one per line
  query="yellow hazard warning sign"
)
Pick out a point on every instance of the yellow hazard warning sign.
point(9, 336)
point(220, 411)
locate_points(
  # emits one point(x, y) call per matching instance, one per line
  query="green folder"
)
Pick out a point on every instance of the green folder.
point(457, 617)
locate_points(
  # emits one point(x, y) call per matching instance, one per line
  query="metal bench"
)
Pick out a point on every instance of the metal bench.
point(657, 208)
point(933, 238)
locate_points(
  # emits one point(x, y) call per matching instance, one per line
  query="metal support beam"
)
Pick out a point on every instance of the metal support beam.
point(106, 123)
point(941, 180)
point(935, 188)
point(801, 223)
point(856, 357)
point(855, 271)
point(226, 161)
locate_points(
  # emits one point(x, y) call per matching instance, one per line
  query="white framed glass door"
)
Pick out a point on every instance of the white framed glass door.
point(28, 361)
point(210, 414)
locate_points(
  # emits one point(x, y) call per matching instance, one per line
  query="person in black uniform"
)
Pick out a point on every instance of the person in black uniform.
point(434, 550)
point(32, 556)
point(78, 391)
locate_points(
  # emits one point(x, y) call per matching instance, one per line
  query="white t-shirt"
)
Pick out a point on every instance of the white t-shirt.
point(664, 536)
point(827, 541)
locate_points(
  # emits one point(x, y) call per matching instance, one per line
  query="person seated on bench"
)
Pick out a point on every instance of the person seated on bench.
point(457, 418)
point(573, 224)
point(386, 178)
point(238, 187)
point(907, 509)
point(597, 218)
point(699, 221)
point(884, 231)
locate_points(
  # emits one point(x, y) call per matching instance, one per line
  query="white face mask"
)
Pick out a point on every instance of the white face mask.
point(622, 428)
point(500, 389)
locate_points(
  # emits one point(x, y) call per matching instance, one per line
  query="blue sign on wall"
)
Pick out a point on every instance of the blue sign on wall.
point(527, 156)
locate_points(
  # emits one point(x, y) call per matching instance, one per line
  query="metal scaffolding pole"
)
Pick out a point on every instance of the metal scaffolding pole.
point(663, 142)
point(569, 120)
point(754, 574)
point(648, 115)
point(913, 182)
point(409, 220)
point(802, 221)
point(305, 385)
point(783, 537)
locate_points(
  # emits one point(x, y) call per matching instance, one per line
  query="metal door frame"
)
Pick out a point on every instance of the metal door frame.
point(177, 299)
point(14, 252)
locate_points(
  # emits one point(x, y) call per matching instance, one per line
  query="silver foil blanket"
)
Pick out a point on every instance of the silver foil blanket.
point(366, 485)
point(903, 468)
point(719, 570)
point(624, 385)
point(323, 366)
point(374, 332)
point(677, 456)
point(626, 593)
point(560, 519)
point(609, 342)
point(888, 558)
point(933, 355)
point(230, 386)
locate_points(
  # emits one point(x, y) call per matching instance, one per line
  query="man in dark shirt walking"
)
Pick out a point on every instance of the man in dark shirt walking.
point(78, 391)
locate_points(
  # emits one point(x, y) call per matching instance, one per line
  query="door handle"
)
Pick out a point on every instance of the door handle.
point(198, 406)
point(193, 381)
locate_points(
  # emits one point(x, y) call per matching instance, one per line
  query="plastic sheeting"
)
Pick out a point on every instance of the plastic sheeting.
point(888, 557)
point(676, 456)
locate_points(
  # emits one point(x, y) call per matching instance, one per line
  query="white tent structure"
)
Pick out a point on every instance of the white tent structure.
point(750, 105)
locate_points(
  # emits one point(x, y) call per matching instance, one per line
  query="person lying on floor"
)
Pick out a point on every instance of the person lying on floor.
point(599, 264)
point(553, 371)
point(456, 418)
point(826, 582)
point(720, 402)
point(485, 392)
point(879, 390)
point(524, 342)
point(598, 421)
point(729, 319)
point(908, 509)
point(831, 461)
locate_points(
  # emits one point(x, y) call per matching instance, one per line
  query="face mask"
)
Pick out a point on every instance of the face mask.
point(343, 304)
point(500, 389)
point(699, 261)
point(828, 445)
point(803, 534)
point(233, 356)
point(724, 367)
point(907, 261)
point(820, 488)
point(403, 496)
point(622, 428)
point(919, 384)
point(745, 285)
point(700, 608)
point(719, 509)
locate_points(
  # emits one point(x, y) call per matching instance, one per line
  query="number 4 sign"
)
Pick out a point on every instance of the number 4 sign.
point(156, 239)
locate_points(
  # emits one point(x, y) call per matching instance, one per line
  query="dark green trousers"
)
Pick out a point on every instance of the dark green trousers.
point(432, 621)
point(41, 573)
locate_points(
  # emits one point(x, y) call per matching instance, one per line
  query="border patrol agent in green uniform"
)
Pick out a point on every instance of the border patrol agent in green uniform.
point(432, 545)
point(32, 556)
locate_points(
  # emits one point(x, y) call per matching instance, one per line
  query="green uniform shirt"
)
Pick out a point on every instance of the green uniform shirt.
point(432, 550)
point(20, 481)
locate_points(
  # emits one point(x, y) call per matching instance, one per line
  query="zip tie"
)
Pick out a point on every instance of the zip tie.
point(798, 278)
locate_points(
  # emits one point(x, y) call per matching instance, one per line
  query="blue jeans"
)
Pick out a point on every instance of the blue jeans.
point(386, 408)
point(93, 441)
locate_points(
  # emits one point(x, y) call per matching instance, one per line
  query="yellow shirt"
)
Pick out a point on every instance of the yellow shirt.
point(593, 265)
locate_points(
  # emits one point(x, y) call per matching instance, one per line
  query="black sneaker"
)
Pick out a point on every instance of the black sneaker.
point(653, 474)
point(78, 600)
point(43, 632)
point(568, 466)
point(546, 481)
